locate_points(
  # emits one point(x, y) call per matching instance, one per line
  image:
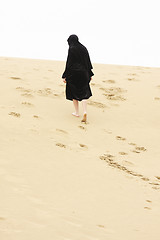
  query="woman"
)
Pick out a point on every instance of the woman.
point(77, 75)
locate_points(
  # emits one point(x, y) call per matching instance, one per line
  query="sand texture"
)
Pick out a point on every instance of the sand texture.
point(61, 179)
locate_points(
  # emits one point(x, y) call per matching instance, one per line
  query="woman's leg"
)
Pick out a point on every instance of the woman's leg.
point(84, 105)
point(76, 106)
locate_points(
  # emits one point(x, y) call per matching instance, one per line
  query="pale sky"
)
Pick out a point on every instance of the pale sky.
point(124, 32)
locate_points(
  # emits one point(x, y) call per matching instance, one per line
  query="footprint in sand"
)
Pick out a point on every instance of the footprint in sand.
point(20, 88)
point(157, 177)
point(132, 144)
point(83, 146)
point(145, 179)
point(15, 78)
point(114, 97)
point(28, 95)
point(131, 79)
point(156, 188)
point(147, 208)
point(139, 149)
point(81, 127)
point(101, 226)
point(28, 104)
point(132, 74)
point(109, 81)
point(2, 219)
point(123, 153)
point(120, 138)
point(96, 104)
point(113, 89)
point(35, 116)
point(157, 98)
point(61, 145)
point(149, 201)
point(155, 184)
point(135, 151)
point(95, 84)
point(14, 114)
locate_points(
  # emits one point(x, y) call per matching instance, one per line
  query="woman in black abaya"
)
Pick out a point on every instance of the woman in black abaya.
point(77, 75)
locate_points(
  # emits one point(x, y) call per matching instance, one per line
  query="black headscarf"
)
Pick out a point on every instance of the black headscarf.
point(73, 40)
point(77, 55)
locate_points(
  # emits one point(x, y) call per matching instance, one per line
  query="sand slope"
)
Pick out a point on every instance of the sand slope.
point(64, 180)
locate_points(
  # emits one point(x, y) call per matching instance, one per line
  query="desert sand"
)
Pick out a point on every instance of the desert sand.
point(66, 180)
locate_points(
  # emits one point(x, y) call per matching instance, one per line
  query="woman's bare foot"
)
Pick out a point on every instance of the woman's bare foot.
point(75, 114)
point(84, 118)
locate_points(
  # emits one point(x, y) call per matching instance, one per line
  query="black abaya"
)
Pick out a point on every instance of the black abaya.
point(78, 71)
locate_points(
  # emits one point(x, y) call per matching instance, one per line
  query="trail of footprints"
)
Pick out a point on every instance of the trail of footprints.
point(111, 159)
point(75, 145)
point(29, 93)
point(15, 114)
point(61, 145)
point(46, 92)
point(112, 162)
point(113, 93)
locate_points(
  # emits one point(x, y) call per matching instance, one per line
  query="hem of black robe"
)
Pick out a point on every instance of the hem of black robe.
point(71, 99)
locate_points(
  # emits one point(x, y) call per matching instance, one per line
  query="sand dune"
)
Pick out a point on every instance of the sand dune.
point(66, 180)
